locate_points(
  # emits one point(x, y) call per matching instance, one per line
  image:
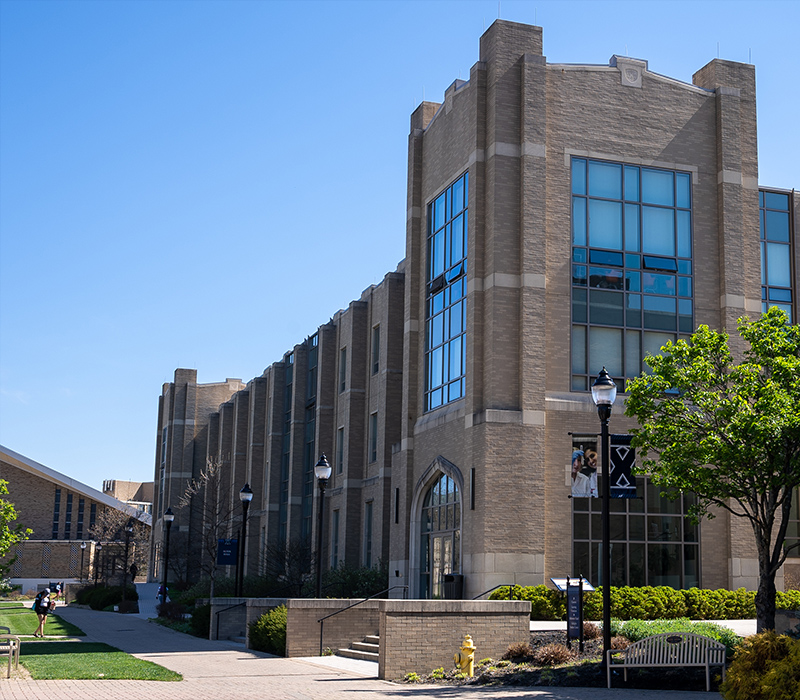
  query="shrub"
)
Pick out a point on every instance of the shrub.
point(412, 677)
point(619, 642)
point(520, 650)
point(171, 610)
point(591, 630)
point(268, 632)
point(551, 654)
point(200, 622)
point(765, 667)
point(438, 673)
point(787, 600)
point(102, 597)
point(546, 604)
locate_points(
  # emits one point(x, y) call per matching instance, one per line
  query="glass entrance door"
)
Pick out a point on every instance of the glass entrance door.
point(440, 544)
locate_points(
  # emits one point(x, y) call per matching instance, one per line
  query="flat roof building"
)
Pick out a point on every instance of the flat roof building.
point(560, 218)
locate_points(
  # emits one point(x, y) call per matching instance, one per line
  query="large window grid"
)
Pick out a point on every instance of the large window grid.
point(445, 301)
point(286, 449)
point(632, 283)
point(653, 542)
point(56, 514)
point(309, 437)
point(793, 529)
point(776, 251)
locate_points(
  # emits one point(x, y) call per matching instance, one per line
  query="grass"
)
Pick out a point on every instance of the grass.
point(19, 617)
point(73, 660)
point(88, 661)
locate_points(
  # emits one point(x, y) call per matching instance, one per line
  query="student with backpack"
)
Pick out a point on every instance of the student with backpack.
point(42, 605)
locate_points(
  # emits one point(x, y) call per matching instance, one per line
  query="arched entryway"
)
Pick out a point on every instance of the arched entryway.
point(436, 531)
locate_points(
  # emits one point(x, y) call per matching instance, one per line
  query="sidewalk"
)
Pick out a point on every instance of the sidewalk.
point(226, 671)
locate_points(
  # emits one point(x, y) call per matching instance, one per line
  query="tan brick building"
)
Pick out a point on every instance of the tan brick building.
point(61, 512)
point(560, 218)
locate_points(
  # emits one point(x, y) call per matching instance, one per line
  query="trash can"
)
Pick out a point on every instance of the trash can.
point(453, 586)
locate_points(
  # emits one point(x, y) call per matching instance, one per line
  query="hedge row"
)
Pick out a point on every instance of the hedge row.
point(648, 602)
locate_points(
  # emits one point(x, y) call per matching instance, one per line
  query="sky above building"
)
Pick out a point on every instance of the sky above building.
point(203, 184)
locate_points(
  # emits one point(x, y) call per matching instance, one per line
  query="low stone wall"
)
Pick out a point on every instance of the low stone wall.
point(236, 614)
point(421, 635)
point(786, 620)
point(339, 631)
point(416, 635)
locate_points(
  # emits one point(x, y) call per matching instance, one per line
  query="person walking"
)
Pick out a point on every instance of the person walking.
point(42, 607)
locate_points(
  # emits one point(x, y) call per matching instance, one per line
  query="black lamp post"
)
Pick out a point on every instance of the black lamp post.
point(83, 551)
point(128, 533)
point(97, 562)
point(245, 496)
point(322, 470)
point(604, 391)
point(168, 517)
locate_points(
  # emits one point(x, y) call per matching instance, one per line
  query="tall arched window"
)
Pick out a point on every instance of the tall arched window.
point(440, 545)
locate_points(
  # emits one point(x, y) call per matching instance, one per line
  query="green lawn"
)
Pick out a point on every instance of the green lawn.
point(19, 617)
point(88, 661)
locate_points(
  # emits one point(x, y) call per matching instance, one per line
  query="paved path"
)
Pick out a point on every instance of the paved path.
point(226, 671)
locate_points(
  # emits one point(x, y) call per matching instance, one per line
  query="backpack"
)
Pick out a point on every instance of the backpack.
point(36, 601)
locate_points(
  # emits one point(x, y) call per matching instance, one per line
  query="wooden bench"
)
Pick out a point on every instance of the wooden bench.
point(670, 649)
point(9, 646)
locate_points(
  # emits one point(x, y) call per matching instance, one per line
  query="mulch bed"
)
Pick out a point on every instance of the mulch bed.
point(582, 671)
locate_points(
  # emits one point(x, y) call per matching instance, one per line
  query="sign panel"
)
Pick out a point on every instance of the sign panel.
point(622, 457)
point(227, 552)
point(574, 611)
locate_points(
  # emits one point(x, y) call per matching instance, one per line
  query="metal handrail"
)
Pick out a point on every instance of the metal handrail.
point(322, 619)
point(512, 586)
point(238, 605)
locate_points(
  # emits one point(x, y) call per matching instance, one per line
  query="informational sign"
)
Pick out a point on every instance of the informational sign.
point(622, 457)
point(227, 552)
point(575, 611)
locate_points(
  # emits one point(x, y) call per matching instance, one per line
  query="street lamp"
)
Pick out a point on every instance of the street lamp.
point(168, 517)
point(128, 533)
point(322, 470)
point(245, 496)
point(83, 551)
point(604, 391)
point(97, 562)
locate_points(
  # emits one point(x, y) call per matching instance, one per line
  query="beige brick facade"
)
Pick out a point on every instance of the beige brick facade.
point(514, 127)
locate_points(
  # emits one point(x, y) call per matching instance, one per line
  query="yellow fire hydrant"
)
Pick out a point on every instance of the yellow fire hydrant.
point(465, 659)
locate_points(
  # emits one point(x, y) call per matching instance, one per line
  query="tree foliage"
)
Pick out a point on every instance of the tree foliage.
point(109, 527)
point(10, 533)
point(728, 431)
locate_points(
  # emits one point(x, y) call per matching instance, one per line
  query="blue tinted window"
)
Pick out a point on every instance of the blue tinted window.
point(780, 294)
point(632, 227)
point(579, 221)
point(684, 230)
point(605, 224)
point(657, 187)
point(624, 211)
point(578, 176)
point(777, 226)
point(776, 200)
point(658, 230)
point(683, 190)
point(445, 310)
point(605, 180)
point(778, 268)
point(631, 183)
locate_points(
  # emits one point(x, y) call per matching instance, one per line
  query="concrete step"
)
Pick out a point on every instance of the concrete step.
point(238, 640)
point(372, 639)
point(355, 654)
point(365, 646)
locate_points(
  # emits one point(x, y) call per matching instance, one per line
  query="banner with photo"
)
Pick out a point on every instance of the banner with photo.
point(586, 462)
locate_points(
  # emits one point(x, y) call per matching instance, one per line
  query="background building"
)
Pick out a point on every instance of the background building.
point(561, 218)
point(62, 513)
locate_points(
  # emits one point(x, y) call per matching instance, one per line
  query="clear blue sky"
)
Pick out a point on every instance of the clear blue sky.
point(202, 184)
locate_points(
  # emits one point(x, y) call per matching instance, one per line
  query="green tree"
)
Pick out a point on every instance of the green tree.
point(10, 534)
point(728, 431)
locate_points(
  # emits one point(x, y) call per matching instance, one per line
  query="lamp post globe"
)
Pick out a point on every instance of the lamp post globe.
point(83, 551)
point(604, 392)
point(322, 470)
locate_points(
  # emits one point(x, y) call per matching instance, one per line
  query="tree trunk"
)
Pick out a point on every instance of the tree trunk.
point(765, 601)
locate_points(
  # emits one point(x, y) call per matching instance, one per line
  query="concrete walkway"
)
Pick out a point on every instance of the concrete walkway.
point(226, 671)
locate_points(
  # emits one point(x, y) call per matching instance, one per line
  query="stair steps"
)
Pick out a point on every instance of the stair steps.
point(366, 650)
